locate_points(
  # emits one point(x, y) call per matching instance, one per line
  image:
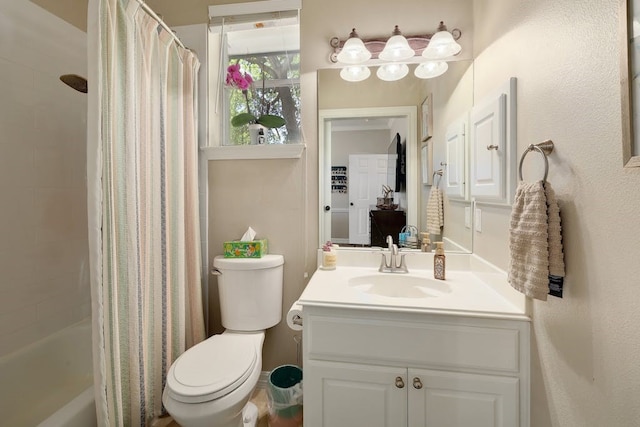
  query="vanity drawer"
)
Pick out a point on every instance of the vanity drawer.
point(471, 345)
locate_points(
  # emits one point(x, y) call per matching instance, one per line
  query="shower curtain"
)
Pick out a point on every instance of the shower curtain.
point(143, 208)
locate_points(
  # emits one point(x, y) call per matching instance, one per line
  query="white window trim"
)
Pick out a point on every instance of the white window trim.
point(256, 152)
point(267, 6)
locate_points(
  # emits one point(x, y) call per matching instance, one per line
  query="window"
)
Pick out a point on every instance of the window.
point(263, 51)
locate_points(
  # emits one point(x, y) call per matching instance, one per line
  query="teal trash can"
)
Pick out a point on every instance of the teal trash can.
point(285, 392)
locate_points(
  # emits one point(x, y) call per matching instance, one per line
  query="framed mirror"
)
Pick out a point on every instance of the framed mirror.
point(375, 111)
point(630, 80)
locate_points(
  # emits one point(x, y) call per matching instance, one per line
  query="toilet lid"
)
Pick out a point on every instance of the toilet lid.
point(212, 368)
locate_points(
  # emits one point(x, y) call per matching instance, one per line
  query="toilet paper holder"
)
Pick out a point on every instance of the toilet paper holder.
point(294, 317)
point(296, 320)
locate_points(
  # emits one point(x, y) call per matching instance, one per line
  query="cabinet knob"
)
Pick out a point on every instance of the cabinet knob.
point(399, 382)
point(492, 147)
point(417, 384)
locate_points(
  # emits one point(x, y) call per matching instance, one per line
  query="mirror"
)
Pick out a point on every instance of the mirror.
point(630, 67)
point(358, 125)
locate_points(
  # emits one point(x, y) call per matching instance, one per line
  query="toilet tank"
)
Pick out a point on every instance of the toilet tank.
point(250, 291)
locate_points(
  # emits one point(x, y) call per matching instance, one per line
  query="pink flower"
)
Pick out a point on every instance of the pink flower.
point(236, 78)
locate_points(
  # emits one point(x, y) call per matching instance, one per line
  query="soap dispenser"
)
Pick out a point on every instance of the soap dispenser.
point(425, 242)
point(438, 262)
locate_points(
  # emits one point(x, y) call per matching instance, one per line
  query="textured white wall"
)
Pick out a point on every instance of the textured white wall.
point(586, 347)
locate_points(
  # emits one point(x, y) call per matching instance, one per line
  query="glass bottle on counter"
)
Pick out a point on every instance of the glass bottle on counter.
point(439, 262)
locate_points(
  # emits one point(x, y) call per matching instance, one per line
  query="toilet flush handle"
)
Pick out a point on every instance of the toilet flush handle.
point(216, 272)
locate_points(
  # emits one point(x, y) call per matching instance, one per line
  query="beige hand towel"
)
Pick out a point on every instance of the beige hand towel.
point(435, 211)
point(535, 240)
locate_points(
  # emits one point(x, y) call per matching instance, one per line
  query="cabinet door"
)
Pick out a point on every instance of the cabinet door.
point(492, 146)
point(488, 150)
point(451, 399)
point(455, 163)
point(351, 395)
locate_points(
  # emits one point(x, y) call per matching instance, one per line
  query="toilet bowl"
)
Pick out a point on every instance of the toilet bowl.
point(210, 384)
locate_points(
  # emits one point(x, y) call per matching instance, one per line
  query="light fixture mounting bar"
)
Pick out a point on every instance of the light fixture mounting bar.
point(417, 42)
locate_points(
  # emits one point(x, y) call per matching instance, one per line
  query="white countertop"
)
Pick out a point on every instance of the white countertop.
point(468, 295)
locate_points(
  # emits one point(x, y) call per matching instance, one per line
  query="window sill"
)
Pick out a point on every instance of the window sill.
point(255, 152)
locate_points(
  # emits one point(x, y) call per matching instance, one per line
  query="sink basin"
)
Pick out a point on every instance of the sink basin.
point(399, 286)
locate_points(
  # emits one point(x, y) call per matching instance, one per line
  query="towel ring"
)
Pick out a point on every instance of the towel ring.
point(433, 178)
point(545, 148)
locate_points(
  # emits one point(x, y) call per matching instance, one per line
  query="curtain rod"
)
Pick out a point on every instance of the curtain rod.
point(161, 23)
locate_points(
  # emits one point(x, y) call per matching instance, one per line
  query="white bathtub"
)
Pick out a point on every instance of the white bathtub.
point(49, 383)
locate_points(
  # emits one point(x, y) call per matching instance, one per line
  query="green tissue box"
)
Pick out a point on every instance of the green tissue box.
point(240, 249)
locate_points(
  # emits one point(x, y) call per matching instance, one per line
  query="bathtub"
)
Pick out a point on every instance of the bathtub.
point(50, 383)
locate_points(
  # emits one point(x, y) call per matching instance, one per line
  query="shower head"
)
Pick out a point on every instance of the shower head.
point(75, 81)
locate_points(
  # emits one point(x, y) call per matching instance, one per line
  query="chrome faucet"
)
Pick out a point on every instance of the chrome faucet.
point(392, 247)
point(392, 266)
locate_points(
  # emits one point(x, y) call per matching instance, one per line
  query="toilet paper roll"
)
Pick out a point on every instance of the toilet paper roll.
point(294, 317)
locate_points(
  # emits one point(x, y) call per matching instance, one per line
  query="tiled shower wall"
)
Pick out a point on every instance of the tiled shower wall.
point(44, 273)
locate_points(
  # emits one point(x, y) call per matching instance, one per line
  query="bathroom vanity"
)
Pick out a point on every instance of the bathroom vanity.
point(395, 350)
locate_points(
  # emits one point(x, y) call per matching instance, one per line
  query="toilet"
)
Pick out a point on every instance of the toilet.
point(210, 384)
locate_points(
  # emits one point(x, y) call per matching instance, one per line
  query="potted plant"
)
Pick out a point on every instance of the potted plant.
point(243, 81)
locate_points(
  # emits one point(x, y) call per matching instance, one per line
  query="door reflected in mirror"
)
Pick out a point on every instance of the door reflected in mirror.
point(369, 146)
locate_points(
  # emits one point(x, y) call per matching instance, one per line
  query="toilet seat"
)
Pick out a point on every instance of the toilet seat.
point(212, 368)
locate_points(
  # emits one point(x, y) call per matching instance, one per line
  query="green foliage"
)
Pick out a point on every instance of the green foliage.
point(243, 119)
point(271, 121)
point(266, 120)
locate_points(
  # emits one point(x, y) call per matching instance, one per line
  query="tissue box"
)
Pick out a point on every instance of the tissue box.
point(250, 249)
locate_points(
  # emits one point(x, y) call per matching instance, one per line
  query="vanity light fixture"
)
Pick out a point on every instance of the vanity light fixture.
point(397, 48)
point(355, 73)
point(354, 51)
point(441, 45)
point(393, 56)
point(392, 72)
point(431, 69)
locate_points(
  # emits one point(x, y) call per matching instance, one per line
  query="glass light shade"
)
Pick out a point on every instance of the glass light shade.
point(396, 49)
point(354, 52)
point(431, 69)
point(355, 73)
point(392, 72)
point(441, 45)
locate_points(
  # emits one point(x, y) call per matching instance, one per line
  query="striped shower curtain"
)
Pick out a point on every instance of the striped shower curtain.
point(143, 209)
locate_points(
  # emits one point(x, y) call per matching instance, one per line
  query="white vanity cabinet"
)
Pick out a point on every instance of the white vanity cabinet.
point(391, 368)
